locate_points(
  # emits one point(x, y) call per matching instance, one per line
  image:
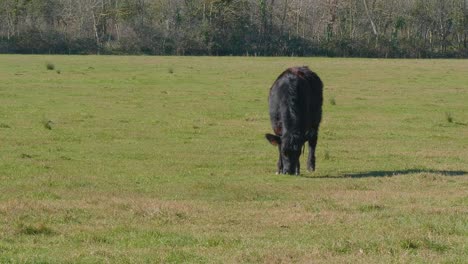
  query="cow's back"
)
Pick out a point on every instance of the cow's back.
point(296, 101)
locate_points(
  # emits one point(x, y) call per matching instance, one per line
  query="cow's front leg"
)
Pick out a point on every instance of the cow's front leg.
point(298, 168)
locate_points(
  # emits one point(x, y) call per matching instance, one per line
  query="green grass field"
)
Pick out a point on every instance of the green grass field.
point(163, 159)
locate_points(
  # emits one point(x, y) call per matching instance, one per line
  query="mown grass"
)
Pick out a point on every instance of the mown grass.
point(163, 159)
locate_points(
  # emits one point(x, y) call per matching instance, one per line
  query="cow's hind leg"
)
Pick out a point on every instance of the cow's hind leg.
point(280, 162)
point(312, 145)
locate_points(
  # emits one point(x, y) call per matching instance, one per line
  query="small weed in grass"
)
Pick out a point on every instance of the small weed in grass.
point(25, 156)
point(332, 101)
point(65, 158)
point(58, 72)
point(409, 244)
point(181, 215)
point(171, 70)
point(449, 117)
point(40, 229)
point(342, 247)
point(327, 155)
point(3, 125)
point(100, 239)
point(215, 242)
point(47, 124)
point(370, 207)
point(50, 66)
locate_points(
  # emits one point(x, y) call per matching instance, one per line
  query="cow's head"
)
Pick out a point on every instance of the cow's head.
point(289, 150)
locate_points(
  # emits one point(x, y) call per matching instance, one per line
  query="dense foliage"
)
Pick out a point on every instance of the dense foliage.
point(370, 28)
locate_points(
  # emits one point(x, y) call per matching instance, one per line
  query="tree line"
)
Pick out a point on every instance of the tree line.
point(351, 28)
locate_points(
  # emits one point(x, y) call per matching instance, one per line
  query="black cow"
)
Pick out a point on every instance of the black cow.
point(295, 112)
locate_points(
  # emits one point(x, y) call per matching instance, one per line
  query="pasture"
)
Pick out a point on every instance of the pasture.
point(138, 159)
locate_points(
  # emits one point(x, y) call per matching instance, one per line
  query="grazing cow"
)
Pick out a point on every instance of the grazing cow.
point(295, 102)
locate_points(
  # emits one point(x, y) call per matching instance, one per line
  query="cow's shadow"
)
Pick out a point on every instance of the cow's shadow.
point(391, 173)
point(404, 172)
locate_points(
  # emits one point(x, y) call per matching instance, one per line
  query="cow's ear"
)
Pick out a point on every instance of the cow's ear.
point(274, 140)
